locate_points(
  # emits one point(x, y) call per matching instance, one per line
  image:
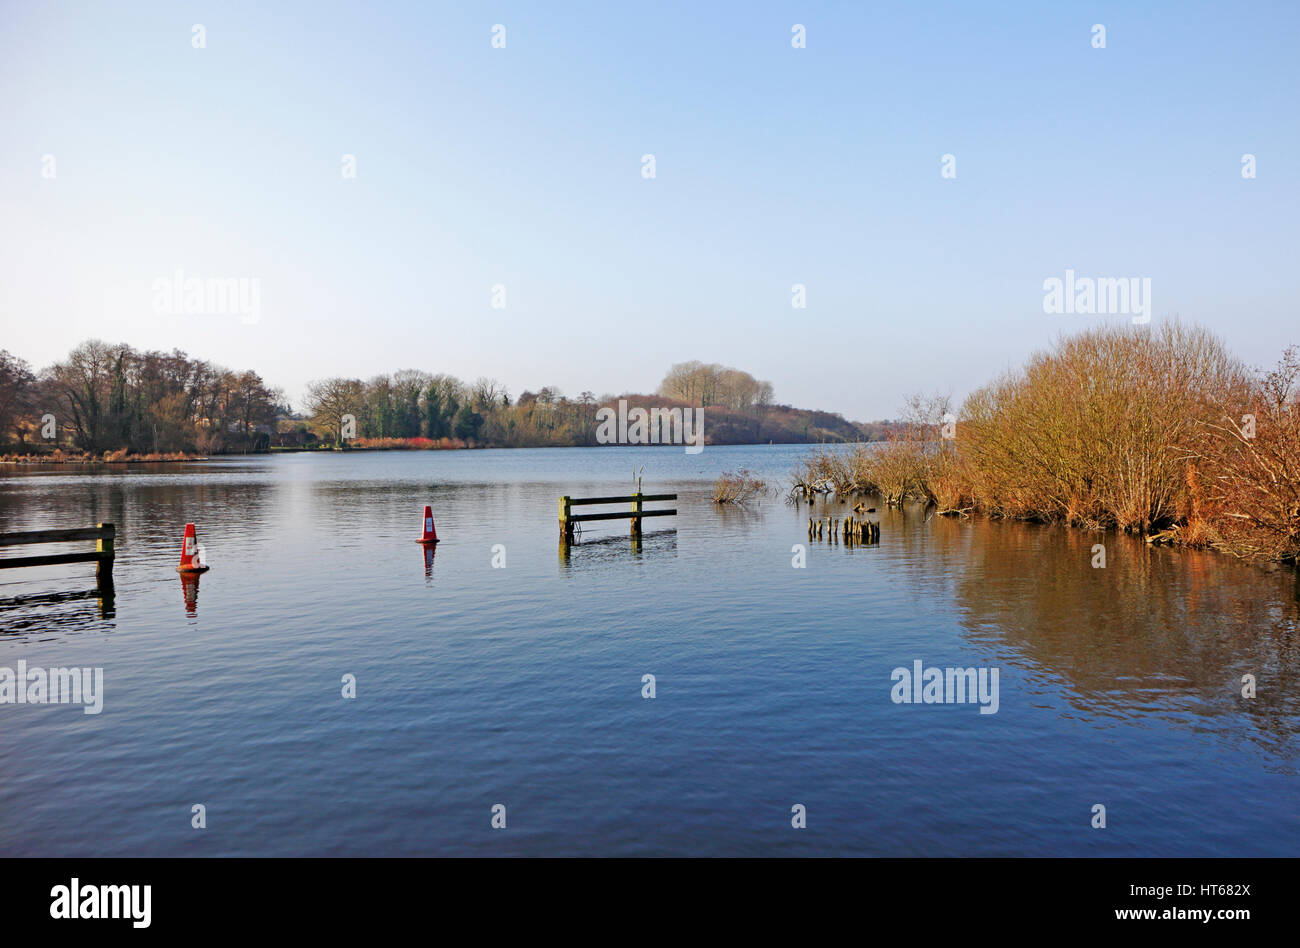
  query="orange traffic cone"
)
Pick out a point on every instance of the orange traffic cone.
point(190, 562)
point(430, 535)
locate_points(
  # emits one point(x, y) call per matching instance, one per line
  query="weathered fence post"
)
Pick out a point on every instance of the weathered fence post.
point(104, 547)
point(566, 526)
point(636, 514)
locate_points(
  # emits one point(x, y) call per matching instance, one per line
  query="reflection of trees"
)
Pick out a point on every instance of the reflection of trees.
point(733, 516)
point(1154, 632)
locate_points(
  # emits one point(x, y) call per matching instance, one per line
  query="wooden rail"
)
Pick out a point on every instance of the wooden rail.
point(103, 535)
point(637, 512)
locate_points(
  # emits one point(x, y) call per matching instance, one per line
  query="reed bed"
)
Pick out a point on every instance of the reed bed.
point(59, 456)
point(408, 444)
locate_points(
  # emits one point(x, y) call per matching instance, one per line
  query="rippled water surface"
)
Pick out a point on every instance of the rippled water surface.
point(522, 685)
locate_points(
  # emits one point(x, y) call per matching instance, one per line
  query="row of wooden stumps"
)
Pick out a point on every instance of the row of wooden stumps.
point(849, 529)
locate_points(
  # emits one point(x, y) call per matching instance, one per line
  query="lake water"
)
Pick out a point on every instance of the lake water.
point(522, 685)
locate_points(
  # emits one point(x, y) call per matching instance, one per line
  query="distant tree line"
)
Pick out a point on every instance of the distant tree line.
point(107, 398)
point(421, 407)
point(111, 398)
point(416, 405)
point(406, 404)
point(713, 385)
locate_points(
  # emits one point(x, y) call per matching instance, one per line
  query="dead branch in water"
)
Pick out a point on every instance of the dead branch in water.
point(737, 488)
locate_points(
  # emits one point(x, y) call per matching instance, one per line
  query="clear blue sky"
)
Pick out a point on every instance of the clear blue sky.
point(522, 166)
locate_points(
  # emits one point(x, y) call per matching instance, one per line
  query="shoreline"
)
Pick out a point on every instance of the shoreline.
point(24, 460)
point(173, 459)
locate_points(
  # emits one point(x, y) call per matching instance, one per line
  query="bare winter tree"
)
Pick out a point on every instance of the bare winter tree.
point(328, 400)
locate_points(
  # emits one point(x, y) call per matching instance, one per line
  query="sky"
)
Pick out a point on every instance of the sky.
point(128, 153)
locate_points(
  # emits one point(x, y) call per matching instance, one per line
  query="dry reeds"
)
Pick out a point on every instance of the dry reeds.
point(737, 488)
point(408, 444)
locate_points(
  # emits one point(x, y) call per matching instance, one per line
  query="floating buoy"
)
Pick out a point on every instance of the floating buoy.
point(190, 562)
point(430, 535)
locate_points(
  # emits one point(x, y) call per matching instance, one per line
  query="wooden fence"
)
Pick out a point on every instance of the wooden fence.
point(637, 512)
point(103, 534)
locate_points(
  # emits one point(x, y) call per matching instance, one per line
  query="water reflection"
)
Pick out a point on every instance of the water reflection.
point(738, 514)
point(42, 613)
point(190, 592)
point(1153, 632)
point(609, 549)
point(1127, 676)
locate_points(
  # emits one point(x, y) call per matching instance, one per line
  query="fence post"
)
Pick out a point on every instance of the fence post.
point(636, 512)
point(566, 528)
point(104, 547)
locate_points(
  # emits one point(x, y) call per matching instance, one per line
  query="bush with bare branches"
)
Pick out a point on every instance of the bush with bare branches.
point(1098, 431)
point(1249, 467)
point(738, 487)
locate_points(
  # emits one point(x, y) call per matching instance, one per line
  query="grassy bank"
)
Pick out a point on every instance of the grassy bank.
point(1157, 432)
point(60, 456)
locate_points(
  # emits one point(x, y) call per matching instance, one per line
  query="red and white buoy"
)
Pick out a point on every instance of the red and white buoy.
point(430, 535)
point(190, 561)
